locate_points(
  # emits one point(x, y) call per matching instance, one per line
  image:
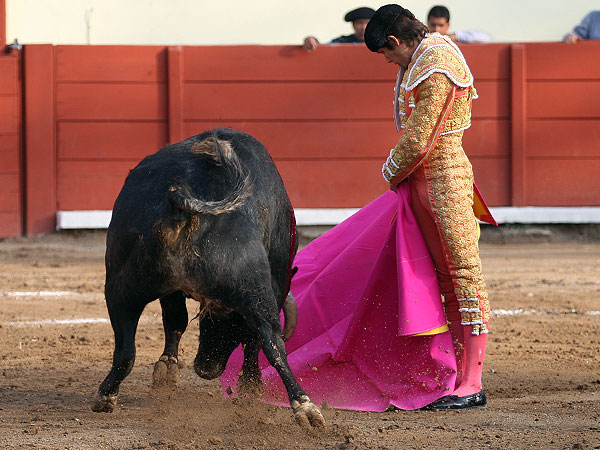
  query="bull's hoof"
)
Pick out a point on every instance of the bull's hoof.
point(307, 414)
point(105, 403)
point(250, 386)
point(166, 372)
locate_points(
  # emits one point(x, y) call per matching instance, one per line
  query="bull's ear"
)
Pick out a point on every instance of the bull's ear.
point(294, 270)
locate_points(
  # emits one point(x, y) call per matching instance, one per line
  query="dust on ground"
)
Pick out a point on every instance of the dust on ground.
point(542, 370)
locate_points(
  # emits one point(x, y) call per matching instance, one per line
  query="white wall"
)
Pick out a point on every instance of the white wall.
point(202, 22)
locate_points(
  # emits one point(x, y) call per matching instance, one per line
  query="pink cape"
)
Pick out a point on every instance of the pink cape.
point(362, 289)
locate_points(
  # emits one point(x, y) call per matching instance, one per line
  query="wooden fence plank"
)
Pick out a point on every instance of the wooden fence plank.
point(9, 154)
point(493, 101)
point(284, 63)
point(9, 114)
point(88, 176)
point(2, 24)
point(40, 154)
point(109, 140)
point(110, 63)
point(568, 99)
point(111, 102)
point(175, 59)
point(519, 126)
point(10, 199)
point(487, 61)
point(9, 75)
point(488, 137)
point(492, 176)
point(564, 138)
point(10, 223)
point(289, 101)
point(11, 207)
point(351, 184)
point(563, 182)
point(557, 61)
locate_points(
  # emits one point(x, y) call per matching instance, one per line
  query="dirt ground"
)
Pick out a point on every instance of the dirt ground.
point(542, 371)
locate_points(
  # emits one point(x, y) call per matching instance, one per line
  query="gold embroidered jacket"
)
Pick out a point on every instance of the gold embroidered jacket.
point(433, 98)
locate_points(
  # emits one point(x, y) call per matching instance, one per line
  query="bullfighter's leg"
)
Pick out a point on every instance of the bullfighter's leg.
point(458, 268)
point(124, 317)
point(175, 320)
point(261, 313)
point(250, 380)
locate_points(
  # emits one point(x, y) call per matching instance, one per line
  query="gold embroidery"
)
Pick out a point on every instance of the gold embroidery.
point(436, 71)
point(437, 54)
point(421, 126)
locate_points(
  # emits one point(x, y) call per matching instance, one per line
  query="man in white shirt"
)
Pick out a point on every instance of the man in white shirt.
point(438, 20)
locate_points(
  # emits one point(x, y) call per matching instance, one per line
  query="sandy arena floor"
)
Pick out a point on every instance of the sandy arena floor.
point(542, 371)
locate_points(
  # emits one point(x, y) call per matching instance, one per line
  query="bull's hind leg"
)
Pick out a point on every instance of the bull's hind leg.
point(175, 320)
point(124, 317)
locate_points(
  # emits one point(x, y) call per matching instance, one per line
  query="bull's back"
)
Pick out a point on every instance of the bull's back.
point(143, 214)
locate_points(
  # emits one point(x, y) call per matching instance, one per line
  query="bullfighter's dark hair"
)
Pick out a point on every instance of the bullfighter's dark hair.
point(439, 11)
point(396, 21)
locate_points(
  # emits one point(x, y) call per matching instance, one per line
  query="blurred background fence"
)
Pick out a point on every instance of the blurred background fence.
point(75, 119)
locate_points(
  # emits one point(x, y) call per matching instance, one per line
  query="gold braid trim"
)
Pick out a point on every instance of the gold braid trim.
point(473, 312)
point(438, 54)
point(426, 122)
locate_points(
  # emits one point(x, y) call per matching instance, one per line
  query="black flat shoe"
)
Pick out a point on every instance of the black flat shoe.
point(473, 401)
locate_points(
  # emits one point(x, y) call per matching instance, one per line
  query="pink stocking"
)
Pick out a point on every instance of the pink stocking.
point(474, 353)
point(457, 331)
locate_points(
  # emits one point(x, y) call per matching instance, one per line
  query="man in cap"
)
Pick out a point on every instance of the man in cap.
point(432, 103)
point(359, 18)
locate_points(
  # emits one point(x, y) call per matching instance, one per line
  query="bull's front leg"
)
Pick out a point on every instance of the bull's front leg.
point(306, 412)
point(250, 378)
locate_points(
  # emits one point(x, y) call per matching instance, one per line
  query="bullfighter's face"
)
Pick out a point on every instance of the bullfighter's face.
point(397, 52)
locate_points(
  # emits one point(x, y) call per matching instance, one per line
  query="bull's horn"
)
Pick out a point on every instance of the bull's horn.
point(290, 314)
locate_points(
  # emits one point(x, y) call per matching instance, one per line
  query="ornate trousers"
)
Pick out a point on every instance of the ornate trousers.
point(442, 202)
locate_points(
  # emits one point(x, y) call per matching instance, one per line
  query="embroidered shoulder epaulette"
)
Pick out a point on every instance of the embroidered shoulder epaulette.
point(439, 54)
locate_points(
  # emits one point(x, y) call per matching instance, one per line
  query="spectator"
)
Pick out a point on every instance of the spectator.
point(589, 28)
point(438, 20)
point(359, 18)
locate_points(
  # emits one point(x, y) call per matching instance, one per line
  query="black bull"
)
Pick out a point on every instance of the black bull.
point(209, 219)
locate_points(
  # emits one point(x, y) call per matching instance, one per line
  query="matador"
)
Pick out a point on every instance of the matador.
point(432, 106)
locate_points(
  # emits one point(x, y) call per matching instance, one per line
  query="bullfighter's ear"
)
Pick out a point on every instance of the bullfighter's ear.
point(294, 270)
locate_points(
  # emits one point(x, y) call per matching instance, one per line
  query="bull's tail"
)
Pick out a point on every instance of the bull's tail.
point(181, 197)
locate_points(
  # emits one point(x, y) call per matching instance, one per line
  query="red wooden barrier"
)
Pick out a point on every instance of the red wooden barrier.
point(111, 111)
point(519, 125)
point(93, 112)
point(40, 129)
point(562, 125)
point(11, 210)
point(2, 25)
